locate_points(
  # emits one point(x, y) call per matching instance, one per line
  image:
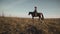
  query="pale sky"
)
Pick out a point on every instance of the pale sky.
point(21, 8)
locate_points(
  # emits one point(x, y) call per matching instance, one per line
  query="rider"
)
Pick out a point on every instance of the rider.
point(35, 11)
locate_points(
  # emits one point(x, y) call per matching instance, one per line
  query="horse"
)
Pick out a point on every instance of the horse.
point(40, 15)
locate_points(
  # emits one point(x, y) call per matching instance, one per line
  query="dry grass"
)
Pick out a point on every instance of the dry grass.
point(13, 25)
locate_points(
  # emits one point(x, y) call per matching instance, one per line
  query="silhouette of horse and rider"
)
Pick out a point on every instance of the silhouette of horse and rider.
point(36, 14)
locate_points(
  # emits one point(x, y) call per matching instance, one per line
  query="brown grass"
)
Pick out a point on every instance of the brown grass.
point(14, 25)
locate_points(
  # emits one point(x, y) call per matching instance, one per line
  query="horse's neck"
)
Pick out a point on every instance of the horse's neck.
point(31, 12)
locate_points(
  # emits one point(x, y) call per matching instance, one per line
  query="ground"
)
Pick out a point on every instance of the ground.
point(15, 25)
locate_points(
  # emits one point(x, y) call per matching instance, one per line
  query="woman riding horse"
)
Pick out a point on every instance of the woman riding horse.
point(35, 11)
point(35, 14)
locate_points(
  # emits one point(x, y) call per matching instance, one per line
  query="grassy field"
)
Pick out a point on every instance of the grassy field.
point(14, 25)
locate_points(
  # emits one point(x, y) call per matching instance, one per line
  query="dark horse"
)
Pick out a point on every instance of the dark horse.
point(40, 15)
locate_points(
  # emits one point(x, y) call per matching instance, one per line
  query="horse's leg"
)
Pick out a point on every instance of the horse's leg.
point(32, 17)
point(39, 18)
point(33, 20)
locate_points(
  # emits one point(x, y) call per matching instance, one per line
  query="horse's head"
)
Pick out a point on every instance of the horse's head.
point(29, 13)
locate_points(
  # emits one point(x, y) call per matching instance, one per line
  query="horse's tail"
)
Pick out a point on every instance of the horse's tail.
point(42, 17)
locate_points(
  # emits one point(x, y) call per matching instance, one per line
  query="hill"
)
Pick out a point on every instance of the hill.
point(14, 25)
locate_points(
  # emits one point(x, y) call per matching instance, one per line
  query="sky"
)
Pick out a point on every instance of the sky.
point(21, 8)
